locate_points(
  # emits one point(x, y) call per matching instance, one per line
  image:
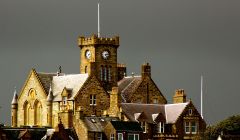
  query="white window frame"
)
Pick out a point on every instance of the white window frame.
point(112, 136)
point(161, 127)
point(193, 127)
point(64, 100)
point(144, 126)
point(99, 136)
point(120, 136)
point(135, 136)
point(93, 100)
point(187, 127)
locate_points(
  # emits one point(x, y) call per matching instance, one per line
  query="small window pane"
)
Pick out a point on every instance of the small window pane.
point(136, 136)
point(130, 137)
point(120, 136)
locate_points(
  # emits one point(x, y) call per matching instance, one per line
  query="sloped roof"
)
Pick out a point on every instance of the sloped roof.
point(126, 126)
point(97, 124)
point(46, 79)
point(130, 109)
point(171, 112)
point(72, 82)
point(128, 85)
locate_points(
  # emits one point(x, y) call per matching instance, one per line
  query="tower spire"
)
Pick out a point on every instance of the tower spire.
point(98, 21)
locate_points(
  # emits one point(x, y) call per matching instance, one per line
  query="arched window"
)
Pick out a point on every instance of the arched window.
point(101, 73)
point(26, 108)
point(109, 73)
point(105, 73)
point(37, 113)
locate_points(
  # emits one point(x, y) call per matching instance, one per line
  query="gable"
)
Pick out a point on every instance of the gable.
point(32, 83)
point(72, 83)
point(190, 112)
point(148, 90)
point(92, 87)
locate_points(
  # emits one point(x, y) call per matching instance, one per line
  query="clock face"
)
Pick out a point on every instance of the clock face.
point(105, 54)
point(88, 54)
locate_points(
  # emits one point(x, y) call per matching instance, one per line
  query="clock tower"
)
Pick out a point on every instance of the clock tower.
point(98, 56)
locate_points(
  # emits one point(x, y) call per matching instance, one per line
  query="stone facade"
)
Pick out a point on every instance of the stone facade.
point(92, 88)
point(32, 108)
point(103, 91)
point(102, 53)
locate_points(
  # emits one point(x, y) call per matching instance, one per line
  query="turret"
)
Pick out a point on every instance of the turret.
point(14, 109)
point(49, 107)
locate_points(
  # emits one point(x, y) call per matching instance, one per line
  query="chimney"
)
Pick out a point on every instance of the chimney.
point(114, 102)
point(179, 97)
point(79, 113)
point(146, 70)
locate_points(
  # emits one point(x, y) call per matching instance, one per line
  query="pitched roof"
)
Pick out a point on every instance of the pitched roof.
point(97, 124)
point(130, 109)
point(128, 85)
point(171, 112)
point(126, 126)
point(72, 82)
point(46, 79)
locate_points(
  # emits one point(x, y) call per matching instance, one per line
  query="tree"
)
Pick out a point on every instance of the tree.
point(229, 126)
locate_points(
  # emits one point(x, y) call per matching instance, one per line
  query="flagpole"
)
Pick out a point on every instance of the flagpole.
point(202, 96)
point(98, 22)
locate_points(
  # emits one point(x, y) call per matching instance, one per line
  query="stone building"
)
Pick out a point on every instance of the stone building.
point(102, 91)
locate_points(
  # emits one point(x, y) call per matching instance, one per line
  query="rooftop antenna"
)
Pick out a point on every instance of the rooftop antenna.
point(98, 21)
point(202, 96)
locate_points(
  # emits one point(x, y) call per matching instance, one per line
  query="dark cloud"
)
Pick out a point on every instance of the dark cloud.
point(181, 39)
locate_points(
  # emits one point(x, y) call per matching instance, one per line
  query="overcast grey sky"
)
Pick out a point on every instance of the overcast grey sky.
point(181, 39)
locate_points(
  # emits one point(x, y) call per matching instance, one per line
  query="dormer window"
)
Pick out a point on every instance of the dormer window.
point(160, 127)
point(143, 126)
point(93, 100)
point(64, 100)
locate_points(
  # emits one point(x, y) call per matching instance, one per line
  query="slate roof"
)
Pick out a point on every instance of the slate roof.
point(130, 109)
point(126, 126)
point(97, 124)
point(171, 112)
point(128, 85)
point(46, 79)
point(72, 82)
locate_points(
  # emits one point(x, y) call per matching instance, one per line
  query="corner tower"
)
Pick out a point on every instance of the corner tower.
point(98, 56)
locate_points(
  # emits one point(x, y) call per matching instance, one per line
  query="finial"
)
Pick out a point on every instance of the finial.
point(60, 69)
point(132, 74)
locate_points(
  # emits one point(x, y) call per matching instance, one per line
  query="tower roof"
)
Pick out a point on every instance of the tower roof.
point(50, 94)
point(15, 97)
